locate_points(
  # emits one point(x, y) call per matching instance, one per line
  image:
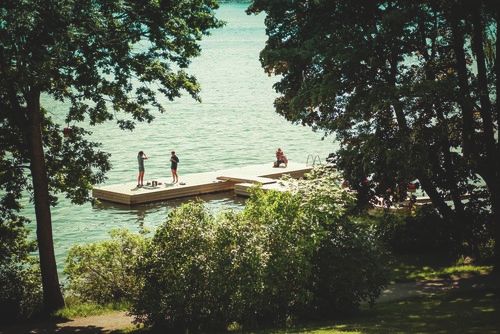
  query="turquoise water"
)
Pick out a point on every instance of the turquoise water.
point(235, 125)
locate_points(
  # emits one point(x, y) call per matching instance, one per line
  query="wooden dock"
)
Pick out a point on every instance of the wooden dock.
point(243, 189)
point(237, 179)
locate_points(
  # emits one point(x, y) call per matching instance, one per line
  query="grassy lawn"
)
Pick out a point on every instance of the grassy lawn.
point(410, 268)
point(75, 309)
point(472, 308)
point(468, 303)
point(471, 311)
point(461, 312)
point(464, 310)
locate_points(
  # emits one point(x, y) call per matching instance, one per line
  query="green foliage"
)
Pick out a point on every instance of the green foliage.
point(75, 308)
point(176, 272)
point(103, 272)
point(20, 292)
point(287, 256)
point(104, 60)
point(151, 41)
point(424, 231)
point(408, 88)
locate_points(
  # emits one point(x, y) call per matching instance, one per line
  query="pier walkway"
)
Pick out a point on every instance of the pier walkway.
point(201, 183)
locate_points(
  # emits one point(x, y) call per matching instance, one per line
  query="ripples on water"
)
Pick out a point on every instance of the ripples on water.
point(235, 125)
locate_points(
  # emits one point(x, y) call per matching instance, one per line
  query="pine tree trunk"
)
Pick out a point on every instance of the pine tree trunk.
point(52, 296)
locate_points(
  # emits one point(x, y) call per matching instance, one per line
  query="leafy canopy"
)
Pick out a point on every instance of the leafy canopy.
point(106, 60)
point(408, 88)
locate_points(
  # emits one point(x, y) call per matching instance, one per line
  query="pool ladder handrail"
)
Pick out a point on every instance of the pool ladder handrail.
point(313, 158)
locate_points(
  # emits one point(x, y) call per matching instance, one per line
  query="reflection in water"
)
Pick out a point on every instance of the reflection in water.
point(215, 202)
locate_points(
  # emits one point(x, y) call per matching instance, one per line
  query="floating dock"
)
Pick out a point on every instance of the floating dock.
point(237, 179)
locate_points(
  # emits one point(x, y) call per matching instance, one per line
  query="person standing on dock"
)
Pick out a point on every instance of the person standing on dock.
point(174, 160)
point(141, 156)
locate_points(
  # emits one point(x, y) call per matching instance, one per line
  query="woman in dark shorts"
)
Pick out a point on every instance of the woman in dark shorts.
point(174, 160)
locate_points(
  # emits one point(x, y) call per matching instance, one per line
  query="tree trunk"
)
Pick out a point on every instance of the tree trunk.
point(52, 296)
point(482, 82)
point(496, 231)
point(496, 195)
point(464, 89)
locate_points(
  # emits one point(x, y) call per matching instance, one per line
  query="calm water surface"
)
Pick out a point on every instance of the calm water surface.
point(235, 125)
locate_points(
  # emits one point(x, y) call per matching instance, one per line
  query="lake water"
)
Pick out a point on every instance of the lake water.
point(235, 125)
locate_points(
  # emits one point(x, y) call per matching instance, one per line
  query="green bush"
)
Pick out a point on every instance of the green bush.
point(348, 269)
point(21, 290)
point(237, 278)
point(288, 243)
point(347, 259)
point(423, 231)
point(103, 272)
point(286, 256)
point(177, 271)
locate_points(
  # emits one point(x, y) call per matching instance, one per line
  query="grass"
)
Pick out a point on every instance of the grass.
point(473, 308)
point(76, 309)
point(412, 268)
point(472, 311)
point(461, 311)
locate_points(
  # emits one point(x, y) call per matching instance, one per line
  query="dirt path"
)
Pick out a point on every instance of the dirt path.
point(400, 291)
point(106, 323)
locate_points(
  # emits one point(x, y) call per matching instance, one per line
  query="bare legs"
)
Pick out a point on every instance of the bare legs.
point(175, 177)
point(140, 179)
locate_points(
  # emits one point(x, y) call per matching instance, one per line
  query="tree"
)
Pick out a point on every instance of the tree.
point(409, 90)
point(100, 57)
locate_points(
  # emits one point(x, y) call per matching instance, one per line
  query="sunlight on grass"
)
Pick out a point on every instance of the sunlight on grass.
point(448, 312)
point(89, 309)
point(404, 270)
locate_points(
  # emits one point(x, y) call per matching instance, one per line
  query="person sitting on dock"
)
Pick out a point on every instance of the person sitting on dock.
point(174, 160)
point(141, 156)
point(280, 158)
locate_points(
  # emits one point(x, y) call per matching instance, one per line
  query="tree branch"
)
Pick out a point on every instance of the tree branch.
point(464, 90)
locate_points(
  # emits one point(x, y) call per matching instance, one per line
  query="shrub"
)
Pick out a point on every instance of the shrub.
point(424, 231)
point(347, 259)
point(103, 272)
point(239, 259)
point(21, 290)
point(287, 245)
point(348, 268)
point(286, 256)
point(177, 269)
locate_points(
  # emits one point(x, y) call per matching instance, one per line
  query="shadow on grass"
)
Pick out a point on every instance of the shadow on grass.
point(60, 323)
point(51, 327)
point(412, 267)
point(465, 310)
point(470, 311)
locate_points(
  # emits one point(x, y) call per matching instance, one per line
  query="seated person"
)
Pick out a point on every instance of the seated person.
point(280, 158)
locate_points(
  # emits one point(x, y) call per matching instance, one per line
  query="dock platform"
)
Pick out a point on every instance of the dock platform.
point(200, 183)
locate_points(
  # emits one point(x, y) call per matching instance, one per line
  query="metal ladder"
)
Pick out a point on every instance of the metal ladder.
point(313, 159)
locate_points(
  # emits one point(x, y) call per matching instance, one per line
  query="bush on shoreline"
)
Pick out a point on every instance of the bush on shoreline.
point(286, 257)
point(103, 272)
